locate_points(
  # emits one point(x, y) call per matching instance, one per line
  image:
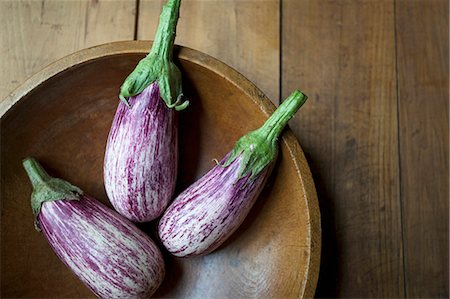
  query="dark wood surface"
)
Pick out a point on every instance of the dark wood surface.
point(375, 129)
point(343, 54)
point(423, 95)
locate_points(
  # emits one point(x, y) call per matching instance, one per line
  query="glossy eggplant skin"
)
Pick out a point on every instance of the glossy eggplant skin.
point(140, 166)
point(202, 217)
point(106, 251)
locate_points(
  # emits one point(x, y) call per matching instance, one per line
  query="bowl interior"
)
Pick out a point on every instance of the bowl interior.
point(64, 122)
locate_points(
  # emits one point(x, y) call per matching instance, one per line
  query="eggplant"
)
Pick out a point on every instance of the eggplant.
point(107, 252)
point(203, 216)
point(140, 164)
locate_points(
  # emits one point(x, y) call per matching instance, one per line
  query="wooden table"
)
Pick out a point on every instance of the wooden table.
point(375, 129)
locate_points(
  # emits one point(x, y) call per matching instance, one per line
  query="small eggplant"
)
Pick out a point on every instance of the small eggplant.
point(203, 216)
point(140, 165)
point(107, 252)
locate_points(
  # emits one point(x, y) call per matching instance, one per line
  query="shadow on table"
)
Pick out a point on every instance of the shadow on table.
point(328, 283)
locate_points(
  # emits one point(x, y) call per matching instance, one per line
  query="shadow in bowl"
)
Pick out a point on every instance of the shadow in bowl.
point(174, 267)
point(255, 210)
point(189, 138)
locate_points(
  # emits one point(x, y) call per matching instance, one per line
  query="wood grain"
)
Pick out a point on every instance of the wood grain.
point(376, 171)
point(38, 32)
point(229, 30)
point(422, 47)
point(342, 54)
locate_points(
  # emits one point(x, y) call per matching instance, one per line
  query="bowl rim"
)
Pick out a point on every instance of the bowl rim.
point(307, 290)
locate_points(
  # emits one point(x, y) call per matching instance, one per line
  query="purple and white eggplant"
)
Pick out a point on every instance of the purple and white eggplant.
point(203, 216)
point(140, 166)
point(106, 251)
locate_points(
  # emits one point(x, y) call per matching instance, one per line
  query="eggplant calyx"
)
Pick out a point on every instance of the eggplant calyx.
point(47, 188)
point(259, 148)
point(256, 153)
point(150, 69)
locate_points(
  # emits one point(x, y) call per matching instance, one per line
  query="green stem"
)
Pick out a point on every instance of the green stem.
point(36, 173)
point(258, 148)
point(47, 188)
point(158, 65)
point(165, 34)
point(278, 120)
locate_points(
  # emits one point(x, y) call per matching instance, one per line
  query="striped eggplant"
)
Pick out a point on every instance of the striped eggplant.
point(107, 252)
point(140, 165)
point(203, 216)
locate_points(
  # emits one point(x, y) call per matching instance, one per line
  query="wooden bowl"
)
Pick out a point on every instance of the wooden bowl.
point(62, 116)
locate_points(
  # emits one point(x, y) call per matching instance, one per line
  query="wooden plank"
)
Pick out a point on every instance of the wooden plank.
point(342, 54)
point(230, 31)
point(422, 44)
point(38, 32)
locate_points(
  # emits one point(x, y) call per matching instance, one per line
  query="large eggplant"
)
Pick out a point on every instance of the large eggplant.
point(140, 165)
point(106, 251)
point(203, 216)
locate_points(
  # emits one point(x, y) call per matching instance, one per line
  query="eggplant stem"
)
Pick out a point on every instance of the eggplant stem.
point(158, 65)
point(47, 188)
point(278, 120)
point(258, 148)
point(35, 171)
point(165, 34)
